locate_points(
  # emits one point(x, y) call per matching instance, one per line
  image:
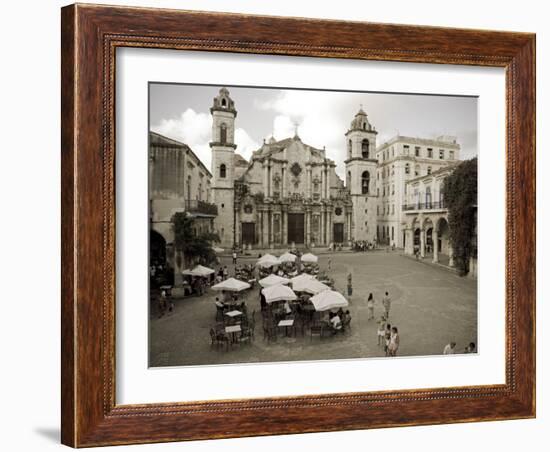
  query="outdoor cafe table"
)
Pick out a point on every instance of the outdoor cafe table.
point(234, 313)
point(286, 324)
point(233, 330)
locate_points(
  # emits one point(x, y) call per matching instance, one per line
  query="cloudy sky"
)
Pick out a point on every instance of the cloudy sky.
point(182, 112)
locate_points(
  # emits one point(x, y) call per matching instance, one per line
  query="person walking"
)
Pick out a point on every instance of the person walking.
point(370, 306)
point(350, 286)
point(449, 349)
point(386, 302)
point(162, 304)
point(394, 342)
point(234, 257)
point(387, 339)
point(329, 264)
point(381, 333)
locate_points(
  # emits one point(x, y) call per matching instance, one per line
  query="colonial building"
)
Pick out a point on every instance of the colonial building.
point(289, 192)
point(400, 160)
point(178, 182)
point(426, 220)
point(425, 216)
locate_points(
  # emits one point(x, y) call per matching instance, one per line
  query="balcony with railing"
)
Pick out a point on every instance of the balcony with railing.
point(434, 205)
point(202, 207)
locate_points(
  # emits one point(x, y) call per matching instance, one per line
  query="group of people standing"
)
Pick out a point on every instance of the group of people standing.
point(222, 274)
point(363, 245)
point(387, 335)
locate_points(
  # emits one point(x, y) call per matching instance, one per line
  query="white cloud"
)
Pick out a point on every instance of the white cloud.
point(195, 130)
point(322, 119)
point(245, 144)
point(283, 127)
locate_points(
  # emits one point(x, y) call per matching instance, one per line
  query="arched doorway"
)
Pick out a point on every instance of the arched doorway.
point(157, 248)
point(429, 241)
point(429, 236)
point(416, 242)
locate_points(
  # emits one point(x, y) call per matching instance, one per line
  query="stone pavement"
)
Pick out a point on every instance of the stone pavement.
point(431, 307)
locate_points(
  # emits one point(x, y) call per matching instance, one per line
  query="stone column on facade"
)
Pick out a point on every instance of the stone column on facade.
point(322, 227)
point(323, 183)
point(266, 177)
point(263, 228)
point(329, 228)
point(308, 227)
point(284, 225)
point(451, 256)
point(283, 181)
point(435, 241)
point(270, 227)
point(269, 191)
point(308, 181)
point(422, 243)
point(236, 232)
point(410, 240)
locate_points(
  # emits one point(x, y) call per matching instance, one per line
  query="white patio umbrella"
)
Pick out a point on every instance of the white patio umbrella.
point(312, 286)
point(273, 280)
point(278, 292)
point(199, 270)
point(218, 250)
point(328, 299)
point(267, 260)
point(309, 258)
point(231, 285)
point(287, 257)
point(300, 279)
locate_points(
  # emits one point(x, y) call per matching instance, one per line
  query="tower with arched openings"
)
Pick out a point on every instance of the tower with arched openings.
point(223, 157)
point(361, 166)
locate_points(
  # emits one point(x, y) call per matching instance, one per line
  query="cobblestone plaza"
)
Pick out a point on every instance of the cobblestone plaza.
point(431, 306)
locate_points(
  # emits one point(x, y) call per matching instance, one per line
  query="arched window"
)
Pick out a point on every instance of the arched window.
point(349, 178)
point(365, 148)
point(428, 197)
point(349, 149)
point(224, 103)
point(223, 171)
point(199, 193)
point(189, 187)
point(364, 126)
point(223, 133)
point(407, 168)
point(365, 181)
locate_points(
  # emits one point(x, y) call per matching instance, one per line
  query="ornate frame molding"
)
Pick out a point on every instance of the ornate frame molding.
point(90, 37)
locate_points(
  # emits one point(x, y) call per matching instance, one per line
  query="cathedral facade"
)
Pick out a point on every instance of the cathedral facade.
point(289, 192)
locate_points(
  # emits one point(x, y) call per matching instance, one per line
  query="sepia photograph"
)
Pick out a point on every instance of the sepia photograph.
point(305, 225)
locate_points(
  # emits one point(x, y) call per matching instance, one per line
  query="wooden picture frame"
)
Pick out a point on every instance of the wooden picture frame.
point(90, 36)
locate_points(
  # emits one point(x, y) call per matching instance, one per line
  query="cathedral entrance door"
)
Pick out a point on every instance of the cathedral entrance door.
point(296, 227)
point(248, 233)
point(338, 232)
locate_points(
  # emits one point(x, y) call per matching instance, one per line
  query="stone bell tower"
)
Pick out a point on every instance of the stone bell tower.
point(223, 155)
point(361, 164)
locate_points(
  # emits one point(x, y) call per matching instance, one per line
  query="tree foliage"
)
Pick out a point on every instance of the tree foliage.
point(460, 195)
point(195, 247)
